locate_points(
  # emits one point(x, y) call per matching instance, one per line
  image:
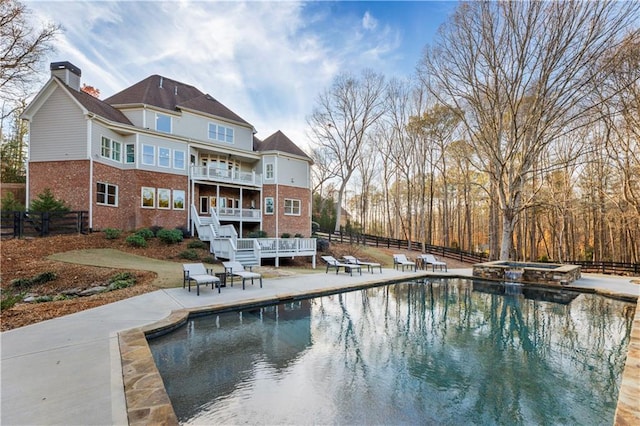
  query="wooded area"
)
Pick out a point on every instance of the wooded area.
point(518, 136)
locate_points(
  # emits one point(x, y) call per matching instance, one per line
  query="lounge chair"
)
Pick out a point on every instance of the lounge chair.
point(332, 262)
point(352, 260)
point(429, 259)
point(401, 260)
point(201, 275)
point(237, 269)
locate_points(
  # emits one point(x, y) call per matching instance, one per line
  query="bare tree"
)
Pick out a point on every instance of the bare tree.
point(22, 50)
point(521, 72)
point(341, 119)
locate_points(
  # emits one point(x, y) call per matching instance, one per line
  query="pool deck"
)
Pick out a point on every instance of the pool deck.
point(68, 370)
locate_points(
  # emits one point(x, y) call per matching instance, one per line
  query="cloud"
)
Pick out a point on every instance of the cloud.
point(369, 22)
point(267, 61)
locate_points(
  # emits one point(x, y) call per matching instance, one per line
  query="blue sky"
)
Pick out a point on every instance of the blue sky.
point(266, 60)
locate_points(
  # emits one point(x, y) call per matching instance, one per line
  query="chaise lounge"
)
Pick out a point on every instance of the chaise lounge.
point(429, 259)
point(401, 260)
point(352, 260)
point(332, 262)
point(201, 275)
point(237, 269)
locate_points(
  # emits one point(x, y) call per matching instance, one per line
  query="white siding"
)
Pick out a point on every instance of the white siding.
point(292, 172)
point(58, 131)
point(136, 116)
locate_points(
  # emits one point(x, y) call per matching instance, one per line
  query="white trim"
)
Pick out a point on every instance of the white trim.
point(142, 189)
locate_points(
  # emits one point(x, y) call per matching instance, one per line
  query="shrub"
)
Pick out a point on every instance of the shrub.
point(112, 233)
point(9, 301)
point(136, 240)
point(322, 245)
point(185, 231)
point(44, 277)
point(59, 297)
point(170, 236)
point(9, 203)
point(189, 254)
point(21, 282)
point(298, 236)
point(285, 235)
point(121, 280)
point(209, 259)
point(197, 244)
point(46, 202)
point(155, 229)
point(38, 279)
point(258, 234)
point(145, 233)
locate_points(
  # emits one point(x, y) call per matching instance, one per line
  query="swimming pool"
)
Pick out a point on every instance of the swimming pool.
point(446, 351)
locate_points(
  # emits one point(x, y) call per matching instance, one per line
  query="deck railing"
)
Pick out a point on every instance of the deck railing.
point(227, 176)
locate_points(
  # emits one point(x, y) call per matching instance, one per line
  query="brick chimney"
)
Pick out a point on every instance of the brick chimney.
point(67, 72)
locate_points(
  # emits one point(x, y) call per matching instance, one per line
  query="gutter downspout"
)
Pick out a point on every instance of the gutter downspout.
point(89, 131)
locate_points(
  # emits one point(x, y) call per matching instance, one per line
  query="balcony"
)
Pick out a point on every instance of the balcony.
point(213, 174)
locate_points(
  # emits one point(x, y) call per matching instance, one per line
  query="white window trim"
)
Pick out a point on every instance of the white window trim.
point(170, 122)
point(184, 159)
point(153, 161)
point(266, 171)
point(142, 190)
point(106, 194)
point(167, 192)
point(125, 156)
point(183, 196)
point(266, 204)
point(293, 202)
point(215, 134)
point(168, 158)
point(110, 148)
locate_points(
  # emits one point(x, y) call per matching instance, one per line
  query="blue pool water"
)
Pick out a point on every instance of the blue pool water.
point(441, 352)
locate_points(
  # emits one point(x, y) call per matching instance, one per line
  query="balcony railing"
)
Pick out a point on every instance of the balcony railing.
point(227, 176)
point(228, 213)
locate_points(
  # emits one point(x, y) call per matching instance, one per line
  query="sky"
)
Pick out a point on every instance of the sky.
point(265, 60)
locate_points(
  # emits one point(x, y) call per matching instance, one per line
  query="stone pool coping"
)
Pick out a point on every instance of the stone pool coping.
point(148, 403)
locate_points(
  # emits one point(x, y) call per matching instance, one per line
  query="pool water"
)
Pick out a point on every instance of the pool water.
point(433, 352)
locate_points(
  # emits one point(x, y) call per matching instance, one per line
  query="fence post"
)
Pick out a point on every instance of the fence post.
point(44, 217)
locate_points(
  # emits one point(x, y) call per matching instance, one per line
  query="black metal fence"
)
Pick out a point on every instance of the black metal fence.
point(386, 242)
point(614, 268)
point(16, 224)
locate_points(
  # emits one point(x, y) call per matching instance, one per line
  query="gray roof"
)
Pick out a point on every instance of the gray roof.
point(279, 142)
point(171, 95)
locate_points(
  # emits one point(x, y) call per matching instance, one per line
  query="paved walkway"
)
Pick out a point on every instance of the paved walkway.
point(67, 370)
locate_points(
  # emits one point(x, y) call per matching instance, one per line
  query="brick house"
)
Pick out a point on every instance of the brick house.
point(162, 153)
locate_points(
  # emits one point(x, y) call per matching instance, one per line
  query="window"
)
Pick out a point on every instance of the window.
point(164, 198)
point(163, 123)
point(268, 205)
point(110, 149)
point(178, 199)
point(220, 133)
point(164, 157)
point(178, 160)
point(107, 194)
point(130, 153)
point(148, 197)
point(148, 155)
point(291, 207)
point(106, 147)
point(268, 171)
